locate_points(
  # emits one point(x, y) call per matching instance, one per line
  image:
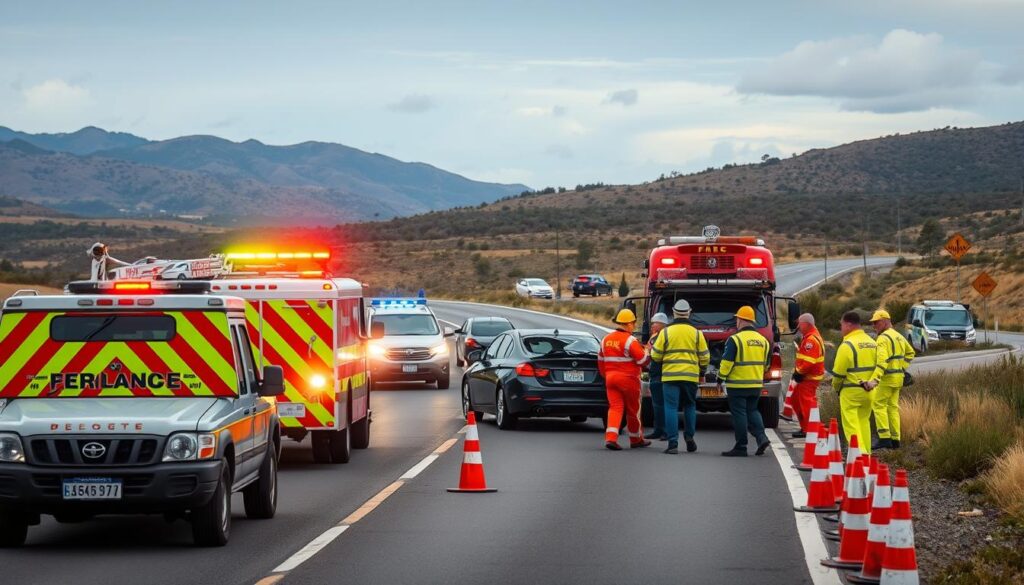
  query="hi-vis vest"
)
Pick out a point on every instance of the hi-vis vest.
point(810, 356)
point(747, 371)
point(855, 360)
point(893, 356)
point(682, 352)
point(621, 353)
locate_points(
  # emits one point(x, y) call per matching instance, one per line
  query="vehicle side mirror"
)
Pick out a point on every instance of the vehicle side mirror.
point(976, 322)
point(475, 356)
point(793, 310)
point(448, 332)
point(273, 381)
point(917, 323)
point(377, 331)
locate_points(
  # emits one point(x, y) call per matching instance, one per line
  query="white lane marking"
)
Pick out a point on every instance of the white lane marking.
point(446, 322)
point(540, 313)
point(315, 546)
point(871, 264)
point(806, 523)
point(416, 469)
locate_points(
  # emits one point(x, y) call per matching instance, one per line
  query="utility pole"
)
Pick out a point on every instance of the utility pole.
point(1022, 202)
point(826, 259)
point(558, 269)
point(865, 258)
point(899, 225)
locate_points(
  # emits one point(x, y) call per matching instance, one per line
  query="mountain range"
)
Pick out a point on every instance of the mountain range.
point(93, 172)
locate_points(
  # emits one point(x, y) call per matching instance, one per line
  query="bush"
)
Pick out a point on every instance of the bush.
point(623, 286)
point(898, 310)
point(982, 430)
point(1005, 481)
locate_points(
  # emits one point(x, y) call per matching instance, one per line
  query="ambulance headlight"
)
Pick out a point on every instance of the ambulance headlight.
point(190, 446)
point(10, 448)
point(439, 350)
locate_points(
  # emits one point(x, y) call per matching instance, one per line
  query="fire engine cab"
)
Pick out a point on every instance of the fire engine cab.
point(717, 275)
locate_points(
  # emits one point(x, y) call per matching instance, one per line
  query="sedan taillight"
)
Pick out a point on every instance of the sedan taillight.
point(472, 343)
point(527, 370)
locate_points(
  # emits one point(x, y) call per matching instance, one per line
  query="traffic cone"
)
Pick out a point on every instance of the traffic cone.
point(820, 498)
point(787, 406)
point(811, 440)
point(872, 476)
point(878, 530)
point(857, 511)
point(852, 455)
point(899, 561)
point(471, 479)
point(835, 461)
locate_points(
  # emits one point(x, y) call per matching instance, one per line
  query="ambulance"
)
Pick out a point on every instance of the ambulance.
point(128, 397)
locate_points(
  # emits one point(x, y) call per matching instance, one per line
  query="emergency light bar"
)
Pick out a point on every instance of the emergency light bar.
point(106, 287)
point(278, 255)
point(677, 240)
point(398, 303)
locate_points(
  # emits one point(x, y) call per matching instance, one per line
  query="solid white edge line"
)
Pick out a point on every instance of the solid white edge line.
point(806, 523)
point(314, 546)
point(871, 264)
point(416, 469)
point(446, 322)
point(541, 313)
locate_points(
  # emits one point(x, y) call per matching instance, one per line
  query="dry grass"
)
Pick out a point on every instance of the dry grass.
point(984, 428)
point(7, 290)
point(1005, 481)
point(922, 417)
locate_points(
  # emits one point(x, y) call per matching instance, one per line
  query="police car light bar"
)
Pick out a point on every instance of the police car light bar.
point(398, 303)
point(90, 287)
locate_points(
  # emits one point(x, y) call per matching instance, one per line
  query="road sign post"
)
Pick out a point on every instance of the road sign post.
point(957, 246)
point(984, 284)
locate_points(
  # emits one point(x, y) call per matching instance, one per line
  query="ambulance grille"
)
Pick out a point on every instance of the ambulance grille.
point(105, 451)
point(408, 354)
point(712, 262)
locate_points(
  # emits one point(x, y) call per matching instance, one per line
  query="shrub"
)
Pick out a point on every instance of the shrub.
point(1005, 481)
point(623, 286)
point(922, 417)
point(983, 430)
point(898, 310)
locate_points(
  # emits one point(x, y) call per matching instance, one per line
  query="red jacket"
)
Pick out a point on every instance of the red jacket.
point(810, 356)
point(621, 353)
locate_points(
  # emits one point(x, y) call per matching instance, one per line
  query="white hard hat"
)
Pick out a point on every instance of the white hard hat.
point(681, 308)
point(101, 246)
point(660, 318)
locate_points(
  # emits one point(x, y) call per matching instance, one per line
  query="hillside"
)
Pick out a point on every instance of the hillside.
point(312, 182)
point(12, 207)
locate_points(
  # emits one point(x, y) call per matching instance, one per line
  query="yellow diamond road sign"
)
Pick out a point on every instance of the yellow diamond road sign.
point(984, 284)
point(957, 246)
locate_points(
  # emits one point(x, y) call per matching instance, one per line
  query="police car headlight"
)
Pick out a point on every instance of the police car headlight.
point(972, 334)
point(439, 350)
point(932, 334)
point(11, 450)
point(375, 350)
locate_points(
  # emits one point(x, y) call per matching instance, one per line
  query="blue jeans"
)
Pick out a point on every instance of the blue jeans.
point(746, 416)
point(658, 407)
point(674, 392)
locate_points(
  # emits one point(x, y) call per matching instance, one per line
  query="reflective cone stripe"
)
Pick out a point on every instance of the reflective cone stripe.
point(899, 562)
point(819, 496)
point(811, 440)
point(471, 477)
point(835, 461)
point(878, 530)
point(787, 409)
point(872, 475)
point(852, 455)
point(856, 517)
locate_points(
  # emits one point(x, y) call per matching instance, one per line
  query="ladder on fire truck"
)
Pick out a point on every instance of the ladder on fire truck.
point(300, 264)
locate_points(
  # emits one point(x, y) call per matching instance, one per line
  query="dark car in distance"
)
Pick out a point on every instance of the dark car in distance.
point(478, 333)
point(535, 373)
point(591, 284)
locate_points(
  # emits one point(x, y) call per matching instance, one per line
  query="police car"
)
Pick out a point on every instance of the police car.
point(129, 397)
point(408, 344)
point(947, 321)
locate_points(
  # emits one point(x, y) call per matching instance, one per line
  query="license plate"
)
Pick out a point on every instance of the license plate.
point(712, 392)
point(409, 368)
point(92, 488)
point(291, 410)
point(574, 376)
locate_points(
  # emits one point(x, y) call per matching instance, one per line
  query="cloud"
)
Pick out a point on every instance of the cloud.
point(905, 71)
point(538, 112)
point(413, 104)
point(55, 95)
point(626, 97)
point(559, 111)
point(559, 151)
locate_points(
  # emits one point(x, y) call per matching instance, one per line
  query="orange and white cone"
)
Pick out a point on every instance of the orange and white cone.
point(787, 407)
point(811, 440)
point(899, 562)
point(873, 471)
point(835, 461)
point(856, 515)
point(820, 498)
point(471, 479)
point(878, 531)
point(852, 455)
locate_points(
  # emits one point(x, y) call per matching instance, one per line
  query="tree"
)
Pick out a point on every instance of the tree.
point(584, 254)
point(623, 286)
point(931, 238)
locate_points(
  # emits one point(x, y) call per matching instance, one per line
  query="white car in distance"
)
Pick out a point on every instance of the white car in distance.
point(534, 288)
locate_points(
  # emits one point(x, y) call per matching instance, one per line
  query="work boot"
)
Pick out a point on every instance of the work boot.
point(762, 446)
point(612, 445)
point(895, 443)
point(882, 444)
point(691, 445)
point(673, 448)
point(799, 435)
point(640, 445)
point(735, 452)
point(659, 435)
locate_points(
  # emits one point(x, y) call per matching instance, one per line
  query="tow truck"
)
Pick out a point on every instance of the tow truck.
point(717, 275)
point(134, 397)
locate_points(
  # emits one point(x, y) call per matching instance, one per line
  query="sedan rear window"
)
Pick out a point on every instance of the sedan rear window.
point(490, 328)
point(112, 328)
point(548, 344)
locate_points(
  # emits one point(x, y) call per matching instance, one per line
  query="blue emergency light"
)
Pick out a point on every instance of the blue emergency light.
point(398, 303)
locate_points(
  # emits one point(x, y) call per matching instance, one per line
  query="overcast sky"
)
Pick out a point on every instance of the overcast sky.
point(538, 92)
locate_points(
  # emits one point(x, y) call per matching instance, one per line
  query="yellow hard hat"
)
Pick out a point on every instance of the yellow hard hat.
point(625, 316)
point(746, 313)
point(879, 315)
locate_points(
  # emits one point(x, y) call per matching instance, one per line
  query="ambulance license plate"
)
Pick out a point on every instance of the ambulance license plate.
point(408, 368)
point(574, 376)
point(712, 392)
point(291, 410)
point(92, 488)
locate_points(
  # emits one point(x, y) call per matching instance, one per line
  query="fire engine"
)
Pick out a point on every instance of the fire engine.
point(717, 275)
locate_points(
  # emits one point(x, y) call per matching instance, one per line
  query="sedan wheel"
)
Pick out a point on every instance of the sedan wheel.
point(506, 420)
point(467, 404)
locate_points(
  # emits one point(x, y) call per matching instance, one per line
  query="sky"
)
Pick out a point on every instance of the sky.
point(536, 92)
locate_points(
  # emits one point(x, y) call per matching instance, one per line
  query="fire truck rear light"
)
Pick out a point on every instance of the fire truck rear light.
point(81, 303)
point(756, 262)
point(272, 286)
point(321, 254)
point(123, 302)
point(105, 302)
point(246, 287)
point(146, 302)
point(668, 261)
point(327, 286)
point(232, 287)
point(131, 286)
point(261, 287)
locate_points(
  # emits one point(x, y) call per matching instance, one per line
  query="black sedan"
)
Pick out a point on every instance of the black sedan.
point(536, 373)
point(478, 333)
point(591, 284)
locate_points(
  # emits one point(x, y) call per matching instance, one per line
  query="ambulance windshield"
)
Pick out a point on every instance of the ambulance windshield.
point(112, 328)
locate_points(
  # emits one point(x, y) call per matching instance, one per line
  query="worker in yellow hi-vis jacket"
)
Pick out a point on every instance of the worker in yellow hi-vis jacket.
point(893, 357)
point(851, 373)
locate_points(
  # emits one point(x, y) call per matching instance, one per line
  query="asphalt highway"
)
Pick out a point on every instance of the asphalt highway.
point(567, 510)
